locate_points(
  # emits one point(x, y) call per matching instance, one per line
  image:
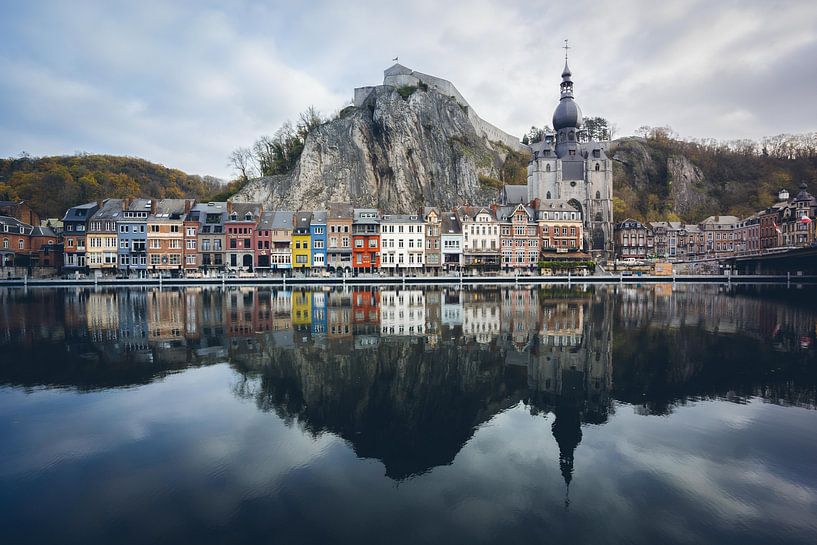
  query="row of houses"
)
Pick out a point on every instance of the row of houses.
point(182, 235)
point(23, 241)
point(789, 223)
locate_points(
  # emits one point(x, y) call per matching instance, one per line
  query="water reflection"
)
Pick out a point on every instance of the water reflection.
point(406, 376)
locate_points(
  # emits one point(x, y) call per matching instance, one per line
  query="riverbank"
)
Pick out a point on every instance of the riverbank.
point(408, 280)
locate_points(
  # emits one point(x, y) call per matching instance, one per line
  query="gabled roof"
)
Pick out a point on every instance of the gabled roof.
point(340, 211)
point(80, 212)
point(319, 217)
point(282, 219)
point(169, 209)
point(451, 224)
point(111, 209)
point(514, 194)
point(241, 209)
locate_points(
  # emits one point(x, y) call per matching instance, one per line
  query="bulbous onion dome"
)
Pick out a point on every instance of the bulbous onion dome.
point(567, 114)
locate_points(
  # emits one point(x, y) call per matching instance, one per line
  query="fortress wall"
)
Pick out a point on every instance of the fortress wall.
point(361, 94)
point(401, 80)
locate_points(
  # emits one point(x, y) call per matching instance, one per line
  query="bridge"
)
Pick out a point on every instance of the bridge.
point(795, 262)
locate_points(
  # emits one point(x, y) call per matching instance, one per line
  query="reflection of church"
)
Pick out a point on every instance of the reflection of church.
point(569, 367)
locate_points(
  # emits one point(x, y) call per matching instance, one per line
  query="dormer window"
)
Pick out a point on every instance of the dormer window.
point(248, 217)
point(233, 216)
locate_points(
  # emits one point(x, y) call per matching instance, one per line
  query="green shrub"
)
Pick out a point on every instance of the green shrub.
point(406, 91)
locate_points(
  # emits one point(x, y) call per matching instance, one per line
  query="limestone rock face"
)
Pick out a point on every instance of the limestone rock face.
point(392, 153)
point(686, 185)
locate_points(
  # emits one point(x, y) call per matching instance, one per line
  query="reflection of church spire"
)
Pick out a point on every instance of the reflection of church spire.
point(568, 434)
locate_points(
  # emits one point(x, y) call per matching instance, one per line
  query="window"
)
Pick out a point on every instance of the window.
point(597, 169)
point(547, 167)
point(20, 244)
point(372, 243)
point(358, 243)
point(191, 231)
point(191, 244)
point(548, 195)
point(598, 193)
point(155, 244)
point(233, 244)
point(154, 228)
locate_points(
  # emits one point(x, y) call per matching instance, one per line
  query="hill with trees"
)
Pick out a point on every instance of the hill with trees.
point(53, 184)
point(658, 176)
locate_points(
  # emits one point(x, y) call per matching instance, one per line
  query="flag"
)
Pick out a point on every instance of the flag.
point(777, 228)
point(805, 219)
point(395, 59)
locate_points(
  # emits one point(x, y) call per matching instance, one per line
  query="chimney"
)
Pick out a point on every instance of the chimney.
point(125, 203)
point(100, 203)
point(229, 207)
point(187, 204)
point(153, 207)
point(535, 203)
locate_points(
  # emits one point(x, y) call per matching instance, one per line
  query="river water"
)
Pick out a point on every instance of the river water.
point(599, 414)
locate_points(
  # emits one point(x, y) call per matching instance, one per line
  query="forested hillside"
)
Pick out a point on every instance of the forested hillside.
point(53, 184)
point(659, 177)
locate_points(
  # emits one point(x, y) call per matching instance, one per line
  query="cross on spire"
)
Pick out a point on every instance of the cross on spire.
point(566, 47)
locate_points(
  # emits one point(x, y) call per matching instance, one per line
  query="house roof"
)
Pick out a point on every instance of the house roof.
point(111, 209)
point(514, 194)
point(80, 212)
point(282, 219)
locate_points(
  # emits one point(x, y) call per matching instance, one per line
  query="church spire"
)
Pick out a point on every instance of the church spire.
point(567, 81)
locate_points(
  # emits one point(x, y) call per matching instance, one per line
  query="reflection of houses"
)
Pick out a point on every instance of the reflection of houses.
point(402, 313)
point(481, 316)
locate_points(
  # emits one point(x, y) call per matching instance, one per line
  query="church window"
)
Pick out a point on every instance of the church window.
point(597, 167)
point(598, 193)
point(548, 195)
point(547, 168)
point(572, 184)
point(571, 136)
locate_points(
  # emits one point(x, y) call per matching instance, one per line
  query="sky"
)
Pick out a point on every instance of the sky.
point(184, 83)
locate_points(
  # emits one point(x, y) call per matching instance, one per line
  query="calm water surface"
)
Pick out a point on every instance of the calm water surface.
point(613, 414)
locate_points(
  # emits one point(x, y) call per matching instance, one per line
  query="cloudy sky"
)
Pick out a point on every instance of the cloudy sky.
point(184, 83)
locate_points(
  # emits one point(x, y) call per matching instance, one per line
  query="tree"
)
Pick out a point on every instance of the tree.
point(536, 134)
point(243, 163)
point(597, 128)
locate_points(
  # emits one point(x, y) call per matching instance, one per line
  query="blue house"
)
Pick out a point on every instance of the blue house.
point(131, 231)
point(317, 233)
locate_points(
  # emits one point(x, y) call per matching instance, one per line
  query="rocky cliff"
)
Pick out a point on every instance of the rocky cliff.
point(398, 151)
point(665, 178)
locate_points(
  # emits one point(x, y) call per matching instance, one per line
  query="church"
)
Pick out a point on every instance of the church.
point(567, 166)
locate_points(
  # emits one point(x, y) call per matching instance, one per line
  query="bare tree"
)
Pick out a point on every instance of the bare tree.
point(243, 163)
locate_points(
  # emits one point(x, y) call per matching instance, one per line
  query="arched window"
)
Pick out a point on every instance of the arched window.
point(598, 194)
point(547, 167)
point(20, 244)
point(5, 243)
point(597, 167)
point(571, 136)
point(548, 195)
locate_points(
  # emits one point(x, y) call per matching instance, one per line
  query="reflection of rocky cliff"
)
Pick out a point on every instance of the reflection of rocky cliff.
point(410, 407)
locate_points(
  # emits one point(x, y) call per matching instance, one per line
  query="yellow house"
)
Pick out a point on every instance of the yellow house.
point(101, 237)
point(301, 308)
point(301, 250)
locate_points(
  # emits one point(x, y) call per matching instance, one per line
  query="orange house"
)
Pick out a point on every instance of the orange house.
point(366, 240)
